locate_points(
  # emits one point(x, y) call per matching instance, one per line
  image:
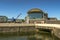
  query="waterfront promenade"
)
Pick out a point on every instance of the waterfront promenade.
point(48, 26)
point(25, 24)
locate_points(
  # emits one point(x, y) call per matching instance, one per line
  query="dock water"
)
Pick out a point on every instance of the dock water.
point(36, 36)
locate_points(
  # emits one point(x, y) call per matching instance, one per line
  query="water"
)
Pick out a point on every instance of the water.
point(38, 36)
point(14, 38)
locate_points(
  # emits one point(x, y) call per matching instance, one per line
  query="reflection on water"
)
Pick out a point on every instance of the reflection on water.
point(38, 36)
point(14, 38)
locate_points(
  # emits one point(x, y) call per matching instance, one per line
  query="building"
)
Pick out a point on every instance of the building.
point(3, 19)
point(36, 15)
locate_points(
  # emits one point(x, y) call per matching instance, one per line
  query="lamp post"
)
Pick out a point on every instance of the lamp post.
point(27, 19)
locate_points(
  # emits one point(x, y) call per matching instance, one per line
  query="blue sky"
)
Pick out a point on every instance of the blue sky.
point(11, 8)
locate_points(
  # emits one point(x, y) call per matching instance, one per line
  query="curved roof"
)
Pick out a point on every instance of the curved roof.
point(35, 10)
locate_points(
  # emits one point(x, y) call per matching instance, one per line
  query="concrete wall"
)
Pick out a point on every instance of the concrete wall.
point(57, 32)
point(16, 29)
point(53, 22)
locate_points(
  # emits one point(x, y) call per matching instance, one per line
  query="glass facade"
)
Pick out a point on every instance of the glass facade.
point(35, 15)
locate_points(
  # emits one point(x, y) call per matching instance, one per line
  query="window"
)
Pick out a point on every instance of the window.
point(35, 15)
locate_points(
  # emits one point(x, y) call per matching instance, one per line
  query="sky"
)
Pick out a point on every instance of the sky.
point(12, 8)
